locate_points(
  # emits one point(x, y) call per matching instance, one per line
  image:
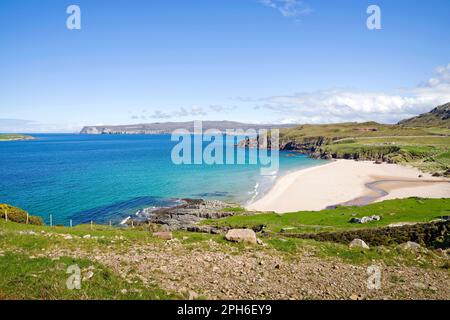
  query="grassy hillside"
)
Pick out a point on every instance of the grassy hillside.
point(15, 214)
point(130, 263)
point(438, 117)
point(391, 211)
point(430, 154)
point(425, 148)
point(348, 130)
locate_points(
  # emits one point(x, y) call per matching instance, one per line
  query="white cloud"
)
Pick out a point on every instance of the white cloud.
point(158, 114)
point(220, 108)
point(193, 111)
point(442, 76)
point(288, 8)
point(340, 105)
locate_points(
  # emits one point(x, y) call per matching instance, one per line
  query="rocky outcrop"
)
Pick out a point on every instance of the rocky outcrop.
point(373, 153)
point(186, 215)
point(434, 234)
point(319, 148)
point(365, 219)
point(438, 117)
point(241, 235)
point(410, 246)
point(358, 243)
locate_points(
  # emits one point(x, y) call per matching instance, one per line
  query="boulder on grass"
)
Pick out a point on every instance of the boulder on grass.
point(365, 219)
point(241, 235)
point(358, 243)
point(164, 235)
point(410, 246)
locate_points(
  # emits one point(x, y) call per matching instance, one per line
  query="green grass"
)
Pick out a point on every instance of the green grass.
point(391, 211)
point(389, 255)
point(234, 209)
point(441, 131)
point(43, 278)
point(18, 215)
point(28, 271)
point(351, 130)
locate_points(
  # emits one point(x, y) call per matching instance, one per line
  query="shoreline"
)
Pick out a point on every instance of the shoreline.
point(348, 182)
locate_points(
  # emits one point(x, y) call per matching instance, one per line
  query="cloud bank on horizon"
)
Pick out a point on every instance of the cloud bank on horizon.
point(318, 107)
point(346, 105)
point(338, 105)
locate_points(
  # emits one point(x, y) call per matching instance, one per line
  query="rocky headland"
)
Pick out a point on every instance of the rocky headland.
point(186, 215)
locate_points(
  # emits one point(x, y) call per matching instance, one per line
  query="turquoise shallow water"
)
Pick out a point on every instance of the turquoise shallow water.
point(109, 177)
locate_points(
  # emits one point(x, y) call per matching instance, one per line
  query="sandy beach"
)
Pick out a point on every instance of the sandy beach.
point(350, 182)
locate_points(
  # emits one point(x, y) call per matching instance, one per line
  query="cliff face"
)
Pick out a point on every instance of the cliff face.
point(344, 148)
point(373, 153)
point(323, 148)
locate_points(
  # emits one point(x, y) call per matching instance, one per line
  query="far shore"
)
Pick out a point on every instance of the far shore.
point(15, 137)
point(351, 183)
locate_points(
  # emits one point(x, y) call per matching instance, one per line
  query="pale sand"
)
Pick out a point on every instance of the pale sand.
point(344, 180)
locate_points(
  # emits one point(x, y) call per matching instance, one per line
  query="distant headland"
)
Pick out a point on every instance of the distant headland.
point(15, 137)
point(169, 127)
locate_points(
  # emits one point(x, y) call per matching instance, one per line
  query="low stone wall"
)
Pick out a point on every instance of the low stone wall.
point(432, 235)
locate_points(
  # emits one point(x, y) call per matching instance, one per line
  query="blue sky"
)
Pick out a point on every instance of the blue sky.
point(246, 60)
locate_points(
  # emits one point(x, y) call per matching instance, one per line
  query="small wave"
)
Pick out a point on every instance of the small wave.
point(124, 221)
point(261, 187)
point(254, 192)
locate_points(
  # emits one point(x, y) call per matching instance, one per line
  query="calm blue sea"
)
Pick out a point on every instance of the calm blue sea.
point(110, 177)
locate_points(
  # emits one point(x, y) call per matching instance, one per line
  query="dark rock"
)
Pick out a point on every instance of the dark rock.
point(365, 219)
point(437, 174)
point(206, 229)
point(187, 214)
point(432, 235)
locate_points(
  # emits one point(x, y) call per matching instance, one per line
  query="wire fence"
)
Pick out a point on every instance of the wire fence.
point(52, 221)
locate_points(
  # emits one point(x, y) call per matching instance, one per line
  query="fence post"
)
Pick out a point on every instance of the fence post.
point(6, 215)
point(71, 223)
point(110, 223)
point(28, 216)
point(132, 223)
point(91, 224)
